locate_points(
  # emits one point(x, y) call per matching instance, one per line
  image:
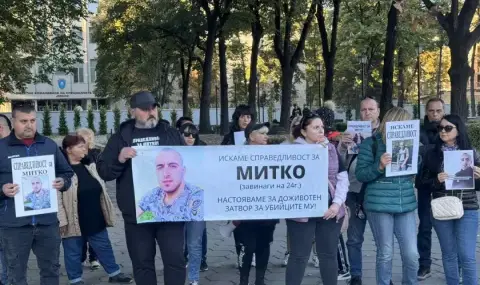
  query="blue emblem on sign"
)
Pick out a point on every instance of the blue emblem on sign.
point(62, 83)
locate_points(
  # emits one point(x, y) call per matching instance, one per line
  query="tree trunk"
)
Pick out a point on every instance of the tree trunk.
point(401, 78)
point(472, 83)
point(222, 50)
point(252, 84)
point(329, 73)
point(459, 73)
point(287, 79)
point(205, 126)
point(185, 82)
point(388, 62)
point(439, 71)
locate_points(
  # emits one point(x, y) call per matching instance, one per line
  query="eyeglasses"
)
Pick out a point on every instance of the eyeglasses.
point(188, 134)
point(446, 128)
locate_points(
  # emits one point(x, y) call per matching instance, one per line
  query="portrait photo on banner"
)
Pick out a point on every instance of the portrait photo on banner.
point(459, 167)
point(35, 176)
point(359, 131)
point(216, 183)
point(403, 142)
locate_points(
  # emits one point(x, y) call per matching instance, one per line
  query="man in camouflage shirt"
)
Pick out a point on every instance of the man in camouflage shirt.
point(39, 198)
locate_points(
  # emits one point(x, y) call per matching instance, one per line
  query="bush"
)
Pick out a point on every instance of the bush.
point(415, 111)
point(91, 119)
point(77, 121)
point(117, 116)
point(47, 124)
point(474, 134)
point(173, 117)
point(160, 115)
point(341, 126)
point(62, 124)
point(103, 121)
point(129, 114)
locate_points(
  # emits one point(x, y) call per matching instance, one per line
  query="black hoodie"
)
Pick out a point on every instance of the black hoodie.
point(109, 168)
point(429, 132)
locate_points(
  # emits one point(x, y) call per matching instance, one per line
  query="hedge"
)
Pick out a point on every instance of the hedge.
point(474, 134)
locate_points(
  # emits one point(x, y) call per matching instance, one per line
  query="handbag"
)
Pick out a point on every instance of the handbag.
point(447, 208)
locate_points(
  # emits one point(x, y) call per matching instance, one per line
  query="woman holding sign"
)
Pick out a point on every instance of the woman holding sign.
point(325, 230)
point(389, 203)
point(457, 234)
point(255, 236)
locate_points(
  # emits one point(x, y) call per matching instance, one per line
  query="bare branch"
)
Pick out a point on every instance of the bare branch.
point(474, 37)
point(433, 9)
point(303, 36)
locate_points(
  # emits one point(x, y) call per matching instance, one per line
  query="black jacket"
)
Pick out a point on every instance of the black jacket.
point(11, 147)
point(432, 165)
point(429, 132)
point(109, 168)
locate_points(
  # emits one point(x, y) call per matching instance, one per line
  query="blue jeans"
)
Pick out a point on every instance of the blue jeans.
point(355, 233)
point(403, 226)
point(100, 242)
point(458, 241)
point(194, 232)
point(3, 274)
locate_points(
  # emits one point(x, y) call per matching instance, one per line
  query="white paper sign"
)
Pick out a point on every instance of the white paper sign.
point(35, 176)
point(216, 183)
point(403, 141)
point(459, 167)
point(360, 130)
point(239, 137)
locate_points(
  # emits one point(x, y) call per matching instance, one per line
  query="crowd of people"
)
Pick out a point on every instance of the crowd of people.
point(358, 191)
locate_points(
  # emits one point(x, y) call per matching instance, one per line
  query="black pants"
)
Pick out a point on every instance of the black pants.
point(44, 241)
point(142, 249)
point(424, 237)
point(254, 237)
point(92, 256)
point(236, 238)
point(342, 256)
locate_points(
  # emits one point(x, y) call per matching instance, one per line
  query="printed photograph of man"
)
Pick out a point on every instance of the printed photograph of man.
point(173, 200)
point(464, 178)
point(39, 198)
point(401, 155)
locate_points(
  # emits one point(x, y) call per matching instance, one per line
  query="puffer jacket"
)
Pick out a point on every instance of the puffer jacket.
point(393, 195)
point(433, 164)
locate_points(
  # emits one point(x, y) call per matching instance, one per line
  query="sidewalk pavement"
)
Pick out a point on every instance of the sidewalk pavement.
point(221, 260)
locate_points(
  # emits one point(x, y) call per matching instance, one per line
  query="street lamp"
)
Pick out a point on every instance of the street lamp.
point(258, 95)
point(419, 52)
point(319, 70)
point(363, 61)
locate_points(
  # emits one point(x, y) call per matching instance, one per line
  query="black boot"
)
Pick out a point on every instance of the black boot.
point(260, 276)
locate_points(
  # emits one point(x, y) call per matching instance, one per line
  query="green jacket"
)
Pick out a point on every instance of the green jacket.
point(383, 194)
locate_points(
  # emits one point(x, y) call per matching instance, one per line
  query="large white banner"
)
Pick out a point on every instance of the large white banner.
point(195, 183)
point(34, 176)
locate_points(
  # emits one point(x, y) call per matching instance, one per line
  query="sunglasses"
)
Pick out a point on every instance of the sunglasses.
point(446, 128)
point(188, 134)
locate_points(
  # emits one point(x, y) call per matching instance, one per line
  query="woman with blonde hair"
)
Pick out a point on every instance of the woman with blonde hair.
point(89, 136)
point(389, 203)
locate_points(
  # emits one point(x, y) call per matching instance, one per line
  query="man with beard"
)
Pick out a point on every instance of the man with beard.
point(466, 173)
point(115, 163)
point(428, 133)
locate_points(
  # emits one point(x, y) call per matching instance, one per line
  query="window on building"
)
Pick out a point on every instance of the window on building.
point(78, 75)
point(91, 31)
point(78, 33)
point(93, 72)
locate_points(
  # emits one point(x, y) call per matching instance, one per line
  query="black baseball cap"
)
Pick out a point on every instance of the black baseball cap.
point(143, 100)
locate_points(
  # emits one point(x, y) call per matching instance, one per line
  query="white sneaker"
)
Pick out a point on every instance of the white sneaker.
point(315, 261)
point(342, 275)
point(254, 263)
point(285, 259)
point(94, 265)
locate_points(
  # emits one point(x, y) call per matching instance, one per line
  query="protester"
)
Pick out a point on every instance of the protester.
point(325, 230)
point(5, 129)
point(369, 111)
point(241, 118)
point(255, 236)
point(93, 153)
point(390, 204)
point(194, 230)
point(115, 163)
point(428, 134)
point(85, 211)
point(38, 233)
point(457, 237)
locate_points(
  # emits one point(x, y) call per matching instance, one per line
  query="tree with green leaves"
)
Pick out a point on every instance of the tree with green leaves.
point(91, 119)
point(62, 124)
point(45, 34)
point(77, 120)
point(47, 122)
point(103, 129)
point(117, 116)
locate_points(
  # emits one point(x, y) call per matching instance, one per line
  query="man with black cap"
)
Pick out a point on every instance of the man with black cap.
point(115, 163)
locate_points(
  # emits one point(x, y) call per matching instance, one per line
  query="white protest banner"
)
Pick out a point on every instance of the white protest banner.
point(35, 176)
point(186, 183)
point(360, 130)
point(403, 141)
point(459, 167)
point(239, 137)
